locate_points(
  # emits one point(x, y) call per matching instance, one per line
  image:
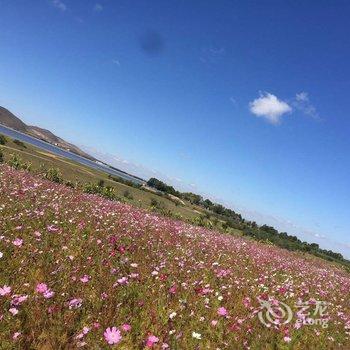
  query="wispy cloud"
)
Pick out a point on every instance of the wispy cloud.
point(116, 62)
point(98, 7)
point(269, 107)
point(212, 54)
point(302, 103)
point(59, 5)
point(233, 101)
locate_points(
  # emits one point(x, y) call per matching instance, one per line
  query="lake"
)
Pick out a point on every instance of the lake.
point(66, 154)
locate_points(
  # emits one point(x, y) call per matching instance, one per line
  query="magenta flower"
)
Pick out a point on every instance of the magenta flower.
point(112, 335)
point(75, 303)
point(126, 327)
point(49, 294)
point(85, 279)
point(5, 290)
point(41, 288)
point(246, 302)
point(222, 311)
point(151, 340)
point(16, 335)
point(52, 228)
point(18, 299)
point(17, 242)
point(122, 280)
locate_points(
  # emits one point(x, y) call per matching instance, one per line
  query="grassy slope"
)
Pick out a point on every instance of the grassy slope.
point(108, 264)
point(73, 171)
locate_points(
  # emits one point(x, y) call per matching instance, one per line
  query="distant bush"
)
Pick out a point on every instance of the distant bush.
point(69, 184)
point(3, 139)
point(17, 163)
point(155, 204)
point(127, 194)
point(19, 143)
point(178, 216)
point(107, 191)
point(125, 182)
point(54, 175)
point(1, 156)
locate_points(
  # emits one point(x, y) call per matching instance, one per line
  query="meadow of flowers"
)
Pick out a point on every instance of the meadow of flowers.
point(79, 271)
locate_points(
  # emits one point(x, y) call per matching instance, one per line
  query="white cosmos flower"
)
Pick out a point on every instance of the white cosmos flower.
point(196, 335)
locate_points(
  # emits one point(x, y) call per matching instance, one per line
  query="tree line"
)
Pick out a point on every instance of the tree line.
point(249, 228)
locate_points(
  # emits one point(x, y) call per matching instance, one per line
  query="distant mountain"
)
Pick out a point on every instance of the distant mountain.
point(10, 120)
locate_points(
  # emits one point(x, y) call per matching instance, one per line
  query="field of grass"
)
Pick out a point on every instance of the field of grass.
point(74, 172)
point(80, 271)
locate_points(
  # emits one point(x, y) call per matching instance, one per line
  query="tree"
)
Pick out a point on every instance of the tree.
point(3, 140)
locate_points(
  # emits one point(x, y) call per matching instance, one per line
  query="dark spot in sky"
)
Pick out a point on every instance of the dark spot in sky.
point(152, 43)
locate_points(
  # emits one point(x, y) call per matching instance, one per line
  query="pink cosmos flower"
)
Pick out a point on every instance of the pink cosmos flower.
point(126, 327)
point(85, 279)
point(246, 302)
point(112, 335)
point(75, 303)
point(18, 299)
point(85, 331)
point(214, 323)
point(17, 242)
point(16, 335)
point(52, 228)
point(13, 311)
point(287, 339)
point(49, 294)
point(173, 289)
point(122, 280)
point(151, 340)
point(222, 311)
point(41, 288)
point(5, 290)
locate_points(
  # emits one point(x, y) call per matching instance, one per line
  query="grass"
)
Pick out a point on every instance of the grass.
point(75, 172)
point(74, 265)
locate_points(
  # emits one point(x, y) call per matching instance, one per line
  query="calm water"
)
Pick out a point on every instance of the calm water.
point(66, 154)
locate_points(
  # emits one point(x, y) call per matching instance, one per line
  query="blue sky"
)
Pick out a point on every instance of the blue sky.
point(246, 101)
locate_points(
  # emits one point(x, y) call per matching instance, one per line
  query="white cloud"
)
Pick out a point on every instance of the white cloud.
point(98, 7)
point(302, 103)
point(59, 4)
point(302, 96)
point(268, 106)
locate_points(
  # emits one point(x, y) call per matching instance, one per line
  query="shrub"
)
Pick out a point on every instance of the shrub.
point(1, 156)
point(54, 175)
point(154, 202)
point(69, 184)
point(19, 143)
point(127, 194)
point(3, 140)
point(17, 163)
